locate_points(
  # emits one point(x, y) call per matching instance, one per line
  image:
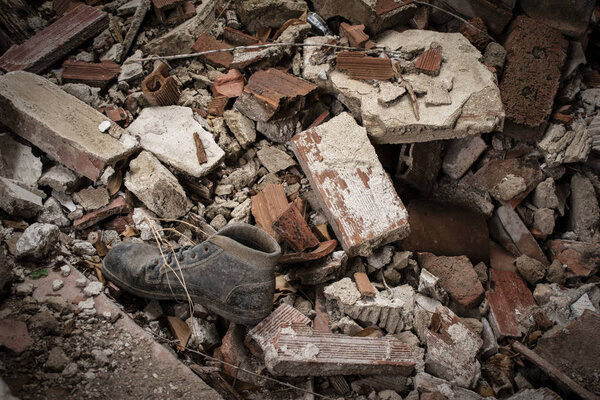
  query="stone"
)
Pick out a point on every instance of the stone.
point(557, 302)
point(536, 54)
point(57, 360)
point(168, 133)
point(92, 198)
point(58, 178)
point(556, 273)
point(431, 388)
point(457, 277)
point(390, 310)
point(18, 201)
point(581, 305)
point(87, 94)
point(45, 322)
point(14, 335)
point(562, 147)
point(145, 222)
point(24, 289)
point(156, 187)
point(352, 188)
point(475, 106)
point(490, 344)
point(218, 222)
point(37, 241)
point(204, 333)
point(380, 257)
point(509, 188)
point(131, 70)
point(242, 127)
point(376, 16)
point(57, 284)
point(580, 258)
point(65, 270)
point(255, 14)
point(153, 310)
point(62, 126)
point(18, 163)
point(584, 218)
point(429, 285)
point(52, 213)
point(591, 100)
point(544, 195)
point(543, 220)
point(570, 17)
point(495, 56)
point(93, 289)
point(462, 194)
point(531, 269)
point(461, 154)
point(274, 159)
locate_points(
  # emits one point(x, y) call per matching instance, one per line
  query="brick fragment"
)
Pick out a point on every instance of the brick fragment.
point(299, 350)
point(320, 271)
point(173, 11)
point(238, 38)
point(364, 285)
point(322, 250)
point(447, 230)
point(477, 38)
point(352, 188)
point(180, 331)
point(229, 85)
point(292, 227)
point(206, 42)
point(159, 88)
point(457, 276)
point(261, 335)
point(61, 125)
point(461, 154)
point(217, 106)
point(354, 33)
point(55, 41)
point(535, 56)
point(361, 66)
point(268, 205)
point(117, 206)
point(61, 7)
point(581, 258)
point(14, 335)
point(509, 299)
point(92, 74)
point(429, 62)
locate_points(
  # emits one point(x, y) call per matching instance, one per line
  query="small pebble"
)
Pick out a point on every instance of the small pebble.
point(93, 289)
point(65, 270)
point(81, 282)
point(57, 284)
point(104, 125)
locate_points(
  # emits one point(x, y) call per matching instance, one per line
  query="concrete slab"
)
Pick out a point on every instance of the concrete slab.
point(62, 126)
point(18, 162)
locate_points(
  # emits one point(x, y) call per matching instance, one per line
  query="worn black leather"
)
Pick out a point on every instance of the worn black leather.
point(232, 273)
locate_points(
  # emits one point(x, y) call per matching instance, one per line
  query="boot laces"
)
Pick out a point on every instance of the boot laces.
point(170, 256)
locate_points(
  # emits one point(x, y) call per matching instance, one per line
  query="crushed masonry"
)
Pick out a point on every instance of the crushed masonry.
point(173, 11)
point(206, 42)
point(159, 88)
point(92, 74)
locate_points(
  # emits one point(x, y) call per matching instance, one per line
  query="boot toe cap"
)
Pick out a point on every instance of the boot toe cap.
point(126, 261)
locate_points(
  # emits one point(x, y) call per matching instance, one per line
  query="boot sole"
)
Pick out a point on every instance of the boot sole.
point(243, 317)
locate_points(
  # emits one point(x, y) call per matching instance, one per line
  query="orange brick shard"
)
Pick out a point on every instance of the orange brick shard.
point(429, 62)
point(159, 88)
point(217, 106)
point(206, 42)
point(230, 84)
point(364, 285)
point(355, 34)
point(361, 66)
point(92, 74)
point(292, 227)
point(267, 206)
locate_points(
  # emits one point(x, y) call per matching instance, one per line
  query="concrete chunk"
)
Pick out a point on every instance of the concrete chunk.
point(584, 219)
point(461, 154)
point(168, 133)
point(352, 187)
point(561, 146)
point(16, 200)
point(18, 162)
point(156, 187)
point(61, 125)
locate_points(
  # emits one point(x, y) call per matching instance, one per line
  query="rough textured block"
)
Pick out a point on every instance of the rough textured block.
point(352, 188)
point(582, 259)
point(168, 133)
point(55, 41)
point(298, 350)
point(509, 299)
point(518, 233)
point(61, 125)
point(16, 200)
point(92, 74)
point(461, 154)
point(292, 227)
point(535, 56)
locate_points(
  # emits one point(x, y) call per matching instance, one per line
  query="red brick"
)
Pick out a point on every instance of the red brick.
point(429, 62)
point(476, 38)
point(117, 206)
point(581, 258)
point(229, 85)
point(217, 106)
point(159, 88)
point(364, 285)
point(509, 299)
point(206, 42)
point(55, 41)
point(361, 66)
point(267, 206)
point(355, 34)
point(291, 226)
point(322, 250)
point(92, 74)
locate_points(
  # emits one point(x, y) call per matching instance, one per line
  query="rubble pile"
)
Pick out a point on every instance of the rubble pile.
point(433, 185)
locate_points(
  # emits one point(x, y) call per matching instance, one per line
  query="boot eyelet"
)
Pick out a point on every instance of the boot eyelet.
point(206, 249)
point(193, 256)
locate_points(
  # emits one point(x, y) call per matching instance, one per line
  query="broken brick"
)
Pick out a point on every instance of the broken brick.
point(229, 85)
point(206, 42)
point(361, 66)
point(180, 330)
point(581, 258)
point(446, 230)
point(321, 271)
point(217, 106)
point(461, 154)
point(55, 41)
point(477, 38)
point(429, 62)
point(535, 56)
point(61, 7)
point(457, 276)
point(354, 33)
point(364, 285)
point(272, 92)
point(117, 206)
point(268, 205)
point(354, 191)
point(291, 226)
point(261, 335)
point(238, 38)
point(159, 88)
point(173, 11)
point(509, 299)
point(322, 250)
point(501, 259)
point(14, 335)
point(61, 125)
point(92, 74)
point(299, 350)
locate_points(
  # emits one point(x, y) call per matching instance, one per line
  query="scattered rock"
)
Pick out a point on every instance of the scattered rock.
point(531, 269)
point(57, 360)
point(37, 241)
point(93, 289)
point(92, 198)
point(57, 284)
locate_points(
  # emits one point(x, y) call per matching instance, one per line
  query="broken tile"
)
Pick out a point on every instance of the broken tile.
point(229, 85)
point(292, 227)
point(261, 335)
point(446, 230)
point(354, 33)
point(238, 38)
point(92, 74)
point(267, 206)
point(322, 250)
point(206, 42)
point(360, 66)
point(168, 133)
point(457, 276)
point(147, 177)
point(55, 41)
point(429, 62)
point(475, 106)
point(117, 206)
point(461, 154)
point(581, 259)
point(536, 54)
point(509, 299)
point(352, 188)
point(364, 285)
point(61, 125)
point(299, 350)
point(159, 88)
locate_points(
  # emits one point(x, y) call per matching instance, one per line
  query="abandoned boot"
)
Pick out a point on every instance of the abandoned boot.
point(232, 273)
